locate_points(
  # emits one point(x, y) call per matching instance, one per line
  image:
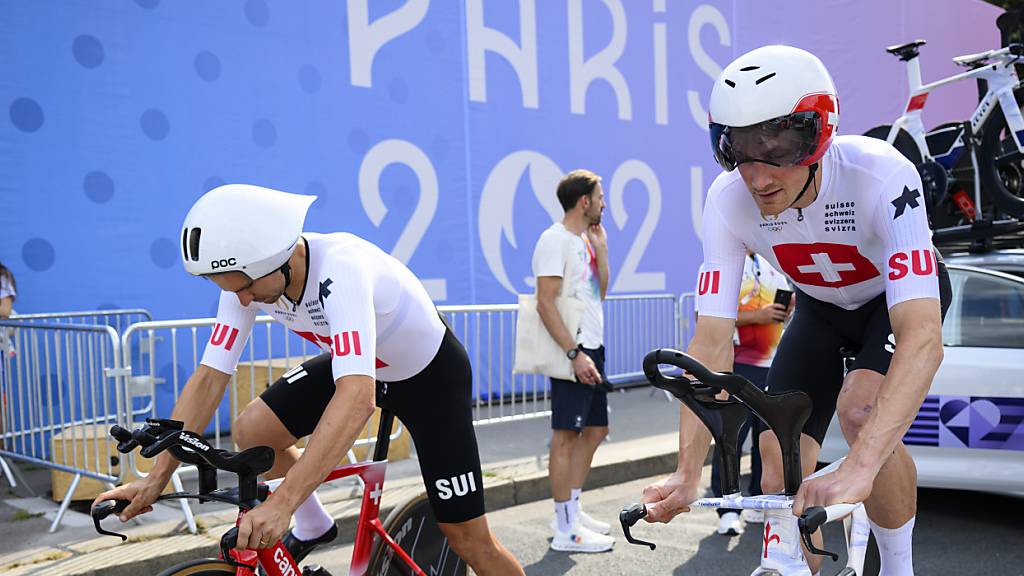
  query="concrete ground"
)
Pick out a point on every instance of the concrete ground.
point(514, 454)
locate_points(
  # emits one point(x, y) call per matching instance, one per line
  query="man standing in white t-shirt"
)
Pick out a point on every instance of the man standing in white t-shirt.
point(571, 260)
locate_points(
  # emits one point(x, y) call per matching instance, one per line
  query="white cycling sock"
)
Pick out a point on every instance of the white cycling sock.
point(565, 515)
point(311, 519)
point(895, 548)
point(575, 498)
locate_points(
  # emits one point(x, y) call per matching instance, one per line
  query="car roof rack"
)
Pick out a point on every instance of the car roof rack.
point(980, 236)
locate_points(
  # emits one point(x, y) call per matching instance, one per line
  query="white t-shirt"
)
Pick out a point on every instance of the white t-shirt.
point(571, 257)
point(360, 304)
point(866, 233)
point(6, 287)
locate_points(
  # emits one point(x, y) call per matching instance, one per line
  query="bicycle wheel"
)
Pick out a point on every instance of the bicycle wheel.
point(412, 525)
point(1000, 165)
point(201, 567)
point(904, 142)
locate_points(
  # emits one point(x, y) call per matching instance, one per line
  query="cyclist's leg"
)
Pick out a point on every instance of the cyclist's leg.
point(436, 407)
point(807, 359)
point(287, 410)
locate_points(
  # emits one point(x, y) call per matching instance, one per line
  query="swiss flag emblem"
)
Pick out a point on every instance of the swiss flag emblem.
point(824, 264)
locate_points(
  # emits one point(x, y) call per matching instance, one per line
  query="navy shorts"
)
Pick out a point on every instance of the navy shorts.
point(575, 405)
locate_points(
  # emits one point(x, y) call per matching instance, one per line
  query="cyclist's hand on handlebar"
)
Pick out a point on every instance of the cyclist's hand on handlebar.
point(839, 487)
point(667, 498)
point(142, 493)
point(586, 370)
point(262, 526)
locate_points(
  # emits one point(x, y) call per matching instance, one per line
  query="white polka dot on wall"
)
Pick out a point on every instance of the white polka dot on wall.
point(207, 66)
point(154, 124)
point(98, 186)
point(26, 114)
point(88, 51)
point(264, 134)
point(38, 254)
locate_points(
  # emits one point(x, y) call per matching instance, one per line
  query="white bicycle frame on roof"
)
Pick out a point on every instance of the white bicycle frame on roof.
point(998, 72)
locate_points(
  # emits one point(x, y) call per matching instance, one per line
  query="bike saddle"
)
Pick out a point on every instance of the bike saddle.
point(906, 51)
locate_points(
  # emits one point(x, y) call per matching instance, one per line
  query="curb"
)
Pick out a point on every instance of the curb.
point(507, 484)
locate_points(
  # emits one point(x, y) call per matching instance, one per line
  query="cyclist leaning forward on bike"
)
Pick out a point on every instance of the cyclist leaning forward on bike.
point(844, 219)
point(375, 322)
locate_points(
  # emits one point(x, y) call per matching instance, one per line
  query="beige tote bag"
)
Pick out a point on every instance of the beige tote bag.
point(536, 351)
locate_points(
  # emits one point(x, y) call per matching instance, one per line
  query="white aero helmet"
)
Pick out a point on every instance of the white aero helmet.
point(775, 104)
point(242, 228)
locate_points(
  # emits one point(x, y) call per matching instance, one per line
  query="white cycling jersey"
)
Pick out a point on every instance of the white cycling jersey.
point(360, 304)
point(865, 234)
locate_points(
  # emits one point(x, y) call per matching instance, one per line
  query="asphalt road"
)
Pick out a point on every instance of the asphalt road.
point(957, 533)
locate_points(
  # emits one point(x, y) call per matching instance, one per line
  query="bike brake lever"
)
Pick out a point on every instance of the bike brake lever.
point(809, 522)
point(629, 516)
point(227, 542)
point(104, 509)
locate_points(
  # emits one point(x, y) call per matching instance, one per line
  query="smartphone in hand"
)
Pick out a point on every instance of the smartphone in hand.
point(783, 297)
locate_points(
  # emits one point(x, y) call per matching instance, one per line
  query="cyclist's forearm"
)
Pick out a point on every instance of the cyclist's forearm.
point(914, 363)
point(694, 438)
point(343, 419)
point(194, 407)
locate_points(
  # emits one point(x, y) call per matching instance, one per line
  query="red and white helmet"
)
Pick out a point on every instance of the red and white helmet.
point(242, 228)
point(775, 104)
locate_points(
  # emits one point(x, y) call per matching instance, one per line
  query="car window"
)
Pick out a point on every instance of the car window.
point(987, 312)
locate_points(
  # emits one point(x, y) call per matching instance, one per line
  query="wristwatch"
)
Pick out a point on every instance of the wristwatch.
point(573, 353)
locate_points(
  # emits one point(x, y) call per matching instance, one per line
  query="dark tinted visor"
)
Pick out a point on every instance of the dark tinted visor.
point(783, 141)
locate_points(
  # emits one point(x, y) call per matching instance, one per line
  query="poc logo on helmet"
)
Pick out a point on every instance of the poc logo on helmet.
point(224, 263)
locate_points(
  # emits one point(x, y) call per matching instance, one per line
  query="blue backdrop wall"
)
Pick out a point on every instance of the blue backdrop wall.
point(436, 129)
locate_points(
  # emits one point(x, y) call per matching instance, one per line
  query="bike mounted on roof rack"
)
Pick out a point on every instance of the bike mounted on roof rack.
point(972, 171)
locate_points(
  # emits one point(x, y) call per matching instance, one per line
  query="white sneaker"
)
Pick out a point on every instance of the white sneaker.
point(581, 539)
point(730, 524)
point(588, 522)
point(752, 516)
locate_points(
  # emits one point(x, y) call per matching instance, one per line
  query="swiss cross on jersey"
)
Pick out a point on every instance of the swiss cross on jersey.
point(824, 264)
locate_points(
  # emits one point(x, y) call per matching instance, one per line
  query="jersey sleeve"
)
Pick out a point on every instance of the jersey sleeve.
point(230, 333)
point(718, 281)
point(901, 220)
point(547, 256)
point(347, 296)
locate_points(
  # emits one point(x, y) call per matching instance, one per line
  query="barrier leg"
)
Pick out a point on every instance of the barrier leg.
point(7, 473)
point(67, 502)
point(185, 508)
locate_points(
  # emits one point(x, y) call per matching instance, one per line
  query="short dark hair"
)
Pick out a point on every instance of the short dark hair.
point(575, 185)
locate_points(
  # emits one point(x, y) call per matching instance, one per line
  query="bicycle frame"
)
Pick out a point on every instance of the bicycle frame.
point(276, 560)
point(786, 557)
point(1001, 78)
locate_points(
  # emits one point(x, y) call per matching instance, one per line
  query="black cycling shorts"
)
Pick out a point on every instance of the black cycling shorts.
point(435, 405)
point(575, 405)
point(808, 357)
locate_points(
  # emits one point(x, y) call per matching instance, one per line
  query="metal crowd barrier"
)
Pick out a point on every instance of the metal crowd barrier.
point(59, 395)
point(633, 326)
point(117, 319)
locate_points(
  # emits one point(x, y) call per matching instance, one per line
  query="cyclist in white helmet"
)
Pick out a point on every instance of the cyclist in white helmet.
point(844, 219)
point(374, 322)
